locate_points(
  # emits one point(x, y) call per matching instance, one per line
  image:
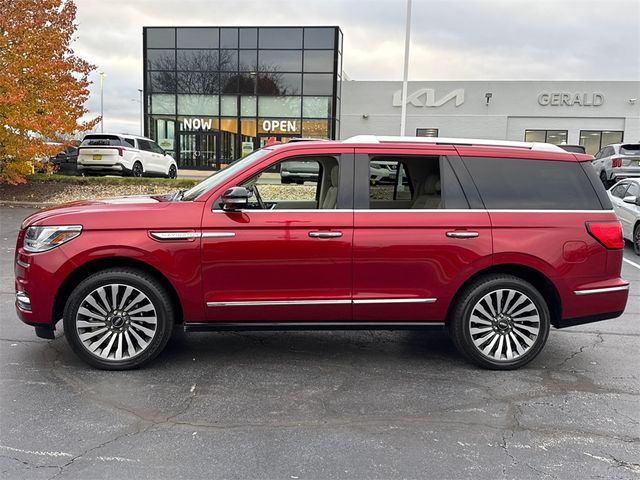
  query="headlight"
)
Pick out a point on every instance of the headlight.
point(40, 239)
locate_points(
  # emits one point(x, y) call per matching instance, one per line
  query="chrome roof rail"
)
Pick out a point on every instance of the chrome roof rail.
point(454, 141)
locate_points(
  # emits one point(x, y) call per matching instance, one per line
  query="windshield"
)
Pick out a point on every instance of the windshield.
point(222, 175)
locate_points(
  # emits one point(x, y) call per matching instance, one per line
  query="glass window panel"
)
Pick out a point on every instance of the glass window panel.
point(197, 38)
point(228, 60)
point(198, 82)
point(280, 61)
point(229, 38)
point(161, 37)
point(197, 104)
point(319, 37)
point(609, 137)
point(229, 105)
point(279, 106)
point(248, 37)
point(198, 60)
point(534, 136)
point(163, 104)
point(161, 59)
point(248, 127)
point(229, 83)
point(318, 84)
point(247, 83)
point(162, 82)
point(314, 107)
point(279, 83)
point(556, 137)
point(248, 60)
point(591, 141)
point(315, 128)
point(280, 38)
point(318, 61)
point(248, 106)
point(426, 132)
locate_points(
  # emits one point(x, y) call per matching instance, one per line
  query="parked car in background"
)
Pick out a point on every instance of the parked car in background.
point(299, 172)
point(382, 172)
point(66, 161)
point(573, 148)
point(625, 198)
point(107, 153)
point(494, 241)
point(617, 161)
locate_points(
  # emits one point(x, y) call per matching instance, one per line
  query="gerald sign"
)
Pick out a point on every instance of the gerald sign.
point(558, 99)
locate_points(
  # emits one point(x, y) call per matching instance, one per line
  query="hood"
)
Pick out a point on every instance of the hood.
point(68, 210)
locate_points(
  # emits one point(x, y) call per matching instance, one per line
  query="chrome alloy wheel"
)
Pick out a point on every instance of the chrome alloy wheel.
point(504, 324)
point(116, 322)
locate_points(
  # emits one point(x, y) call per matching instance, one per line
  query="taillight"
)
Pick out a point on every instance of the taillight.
point(608, 234)
point(616, 162)
point(120, 151)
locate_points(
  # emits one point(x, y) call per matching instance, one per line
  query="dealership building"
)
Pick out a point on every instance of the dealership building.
point(215, 93)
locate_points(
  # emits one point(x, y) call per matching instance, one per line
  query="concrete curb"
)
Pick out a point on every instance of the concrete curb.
point(11, 203)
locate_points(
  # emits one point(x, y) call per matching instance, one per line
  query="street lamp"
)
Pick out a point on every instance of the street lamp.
point(101, 101)
point(407, 40)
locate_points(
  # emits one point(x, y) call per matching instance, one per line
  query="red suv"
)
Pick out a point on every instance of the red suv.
point(495, 241)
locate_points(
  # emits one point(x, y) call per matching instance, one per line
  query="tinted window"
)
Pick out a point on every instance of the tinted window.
point(198, 60)
point(248, 37)
point(161, 38)
point(630, 149)
point(318, 84)
point(161, 59)
point(248, 60)
point(197, 38)
point(129, 142)
point(619, 190)
point(318, 61)
point(279, 84)
point(319, 37)
point(198, 82)
point(634, 190)
point(161, 82)
point(280, 38)
point(145, 145)
point(101, 140)
point(509, 183)
point(280, 61)
point(229, 38)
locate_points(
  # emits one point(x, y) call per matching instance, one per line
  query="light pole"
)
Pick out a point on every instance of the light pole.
point(141, 115)
point(101, 101)
point(407, 39)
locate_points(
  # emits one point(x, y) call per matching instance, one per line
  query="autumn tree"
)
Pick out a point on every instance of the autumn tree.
point(43, 85)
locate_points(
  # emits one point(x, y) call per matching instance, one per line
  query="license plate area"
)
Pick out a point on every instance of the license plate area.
point(99, 157)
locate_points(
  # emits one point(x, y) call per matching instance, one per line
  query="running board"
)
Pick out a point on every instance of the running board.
point(244, 326)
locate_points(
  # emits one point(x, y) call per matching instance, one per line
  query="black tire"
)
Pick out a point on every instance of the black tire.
point(173, 172)
point(636, 239)
point(122, 278)
point(488, 288)
point(604, 180)
point(285, 181)
point(137, 170)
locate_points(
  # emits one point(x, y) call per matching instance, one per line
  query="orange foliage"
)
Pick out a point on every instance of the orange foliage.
point(43, 85)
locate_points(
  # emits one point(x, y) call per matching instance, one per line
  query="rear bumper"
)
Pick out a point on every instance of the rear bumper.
point(116, 168)
point(594, 302)
point(572, 322)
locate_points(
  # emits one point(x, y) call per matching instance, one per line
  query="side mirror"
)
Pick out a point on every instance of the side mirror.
point(235, 199)
point(632, 199)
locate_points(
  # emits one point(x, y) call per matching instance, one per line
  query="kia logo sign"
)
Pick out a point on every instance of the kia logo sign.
point(426, 97)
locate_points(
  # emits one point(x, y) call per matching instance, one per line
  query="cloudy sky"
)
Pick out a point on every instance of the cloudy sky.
point(450, 39)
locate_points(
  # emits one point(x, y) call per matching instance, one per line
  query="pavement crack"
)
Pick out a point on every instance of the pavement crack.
point(599, 340)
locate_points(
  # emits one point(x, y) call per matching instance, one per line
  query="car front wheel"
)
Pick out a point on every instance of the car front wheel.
point(636, 239)
point(173, 172)
point(500, 322)
point(118, 319)
point(137, 170)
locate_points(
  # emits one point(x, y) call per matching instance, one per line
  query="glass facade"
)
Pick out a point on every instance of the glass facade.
point(594, 140)
point(556, 137)
point(212, 93)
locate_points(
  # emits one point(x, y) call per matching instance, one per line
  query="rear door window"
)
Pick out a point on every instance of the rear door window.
point(522, 184)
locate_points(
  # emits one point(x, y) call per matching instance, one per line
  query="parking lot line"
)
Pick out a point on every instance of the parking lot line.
point(632, 263)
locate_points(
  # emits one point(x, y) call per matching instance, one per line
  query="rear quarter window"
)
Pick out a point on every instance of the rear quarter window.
point(512, 183)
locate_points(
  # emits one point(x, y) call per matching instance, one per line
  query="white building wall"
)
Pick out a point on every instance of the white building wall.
point(514, 106)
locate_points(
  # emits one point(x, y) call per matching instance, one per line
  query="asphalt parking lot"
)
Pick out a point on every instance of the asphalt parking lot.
point(320, 405)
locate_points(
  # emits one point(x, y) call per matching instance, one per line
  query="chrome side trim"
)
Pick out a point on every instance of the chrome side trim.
point(462, 234)
point(270, 303)
point(175, 235)
point(367, 301)
point(591, 291)
point(414, 210)
point(218, 234)
point(325, 234)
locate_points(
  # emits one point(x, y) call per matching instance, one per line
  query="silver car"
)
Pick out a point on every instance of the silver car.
point(625, 197)
point(617, 161)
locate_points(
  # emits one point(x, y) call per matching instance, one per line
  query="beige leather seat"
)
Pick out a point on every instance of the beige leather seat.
point(428, 194)
point(330, 200)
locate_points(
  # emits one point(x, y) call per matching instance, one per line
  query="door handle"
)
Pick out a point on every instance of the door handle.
point(325, 234)
point(462, 234)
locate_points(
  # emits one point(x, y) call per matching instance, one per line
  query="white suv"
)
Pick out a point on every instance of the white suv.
point(617, 161)
point(125, 155)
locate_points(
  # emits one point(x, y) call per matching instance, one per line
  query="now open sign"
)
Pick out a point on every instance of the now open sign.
point(279, 126)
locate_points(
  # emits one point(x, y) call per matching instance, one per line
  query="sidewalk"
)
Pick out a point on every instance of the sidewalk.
point(194, 174)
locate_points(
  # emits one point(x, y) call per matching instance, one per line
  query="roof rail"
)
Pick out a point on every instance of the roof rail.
point(454, 141)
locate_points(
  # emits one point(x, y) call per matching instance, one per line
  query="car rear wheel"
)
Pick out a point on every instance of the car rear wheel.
point(137, 170)
point(173, 172)
point(604, 180)
point(118, 319)
point(636, 239)
point(500, 322)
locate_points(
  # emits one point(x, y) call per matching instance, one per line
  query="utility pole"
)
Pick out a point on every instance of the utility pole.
point(101, 101)
point(407, 41)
